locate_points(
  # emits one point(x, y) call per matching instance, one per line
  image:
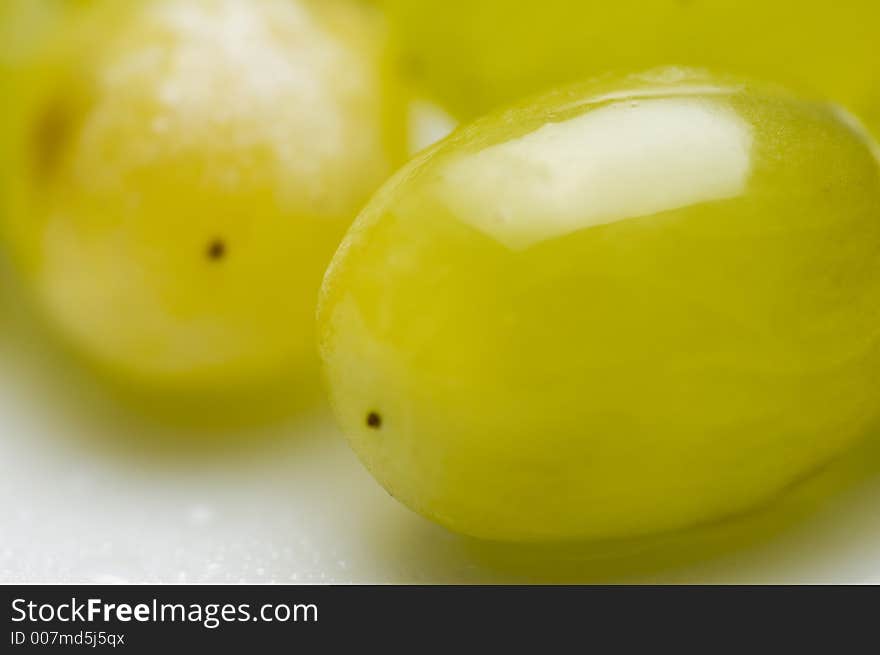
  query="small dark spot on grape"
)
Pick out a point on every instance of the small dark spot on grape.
point(216, 249)
point(374, 420)
point(413, 67)
point(52, 131)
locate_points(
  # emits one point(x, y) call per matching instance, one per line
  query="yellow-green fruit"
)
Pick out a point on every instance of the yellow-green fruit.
point(476, 54)
point(22, 22)
point(182, 171)
point(627, 307)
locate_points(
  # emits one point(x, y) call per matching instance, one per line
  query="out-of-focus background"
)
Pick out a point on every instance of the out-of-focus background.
point(95, 490)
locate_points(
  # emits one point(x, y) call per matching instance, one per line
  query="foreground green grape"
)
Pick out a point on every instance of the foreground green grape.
point(629, 307)
point(476, 54)
point(181, 172)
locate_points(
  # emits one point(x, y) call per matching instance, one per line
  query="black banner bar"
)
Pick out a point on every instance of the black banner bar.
point(179, 619)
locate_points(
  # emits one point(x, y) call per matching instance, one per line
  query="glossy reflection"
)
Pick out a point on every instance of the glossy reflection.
point(626, 159)
point(624, 308)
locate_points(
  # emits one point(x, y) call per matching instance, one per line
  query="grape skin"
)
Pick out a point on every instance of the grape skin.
point(191, 166)
point(627, 307)
point(475, 55)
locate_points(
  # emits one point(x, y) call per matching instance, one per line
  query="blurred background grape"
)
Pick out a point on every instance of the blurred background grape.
point(474, 55)
point(179, 173)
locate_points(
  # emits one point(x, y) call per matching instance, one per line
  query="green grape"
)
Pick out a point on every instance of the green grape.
point(627, 307)
point(476, 54)
point(25, 25)
point(180, 172)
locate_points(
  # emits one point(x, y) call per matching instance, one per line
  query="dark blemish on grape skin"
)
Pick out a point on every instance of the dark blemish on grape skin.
point(413, 67)
point(216, 250)
point(51, 133)
point(374, 420)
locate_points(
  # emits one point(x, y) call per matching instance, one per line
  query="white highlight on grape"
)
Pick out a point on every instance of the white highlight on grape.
point(856, 125)
point(624, 160)
point(230, 67)
point(428, 124)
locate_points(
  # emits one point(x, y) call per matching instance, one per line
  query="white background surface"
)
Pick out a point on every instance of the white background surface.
point(89, 494)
